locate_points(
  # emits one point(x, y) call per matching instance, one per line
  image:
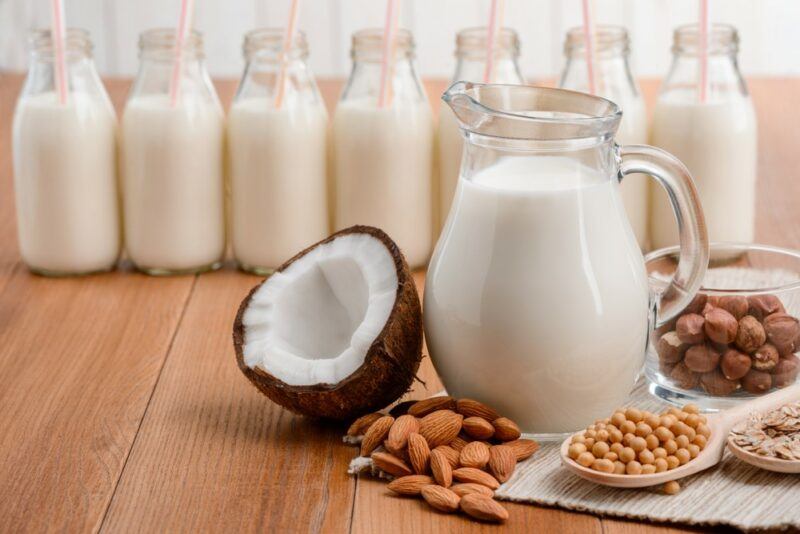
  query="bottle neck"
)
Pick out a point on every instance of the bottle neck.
point(77, 46)
point(159, 45)
point(471, 54)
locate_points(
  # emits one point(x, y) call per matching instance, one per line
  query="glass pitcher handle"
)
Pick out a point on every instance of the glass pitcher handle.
point(674, 177)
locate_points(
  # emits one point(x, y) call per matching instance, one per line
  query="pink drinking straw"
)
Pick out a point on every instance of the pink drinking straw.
point(288, 38)
point(495, 21)
point(389, 36)
point(184, 27)
point(588, 40)
point(703, 48)
point(58, 34)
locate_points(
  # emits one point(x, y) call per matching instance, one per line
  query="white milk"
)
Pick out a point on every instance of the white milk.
point(717, 141)
point(382, 167)
point(278, 180)
point(172, 172)
point(536, 299)
point(65, 183)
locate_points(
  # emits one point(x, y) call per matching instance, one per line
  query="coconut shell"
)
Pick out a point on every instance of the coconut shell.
point(389, 367)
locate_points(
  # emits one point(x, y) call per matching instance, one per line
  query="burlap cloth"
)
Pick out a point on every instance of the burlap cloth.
point(732, 493)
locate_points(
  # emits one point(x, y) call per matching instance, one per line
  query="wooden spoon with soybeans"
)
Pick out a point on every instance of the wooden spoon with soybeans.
point(719, 424)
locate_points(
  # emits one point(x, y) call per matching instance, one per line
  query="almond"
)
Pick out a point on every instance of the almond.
point(466, 488)
point(390, 464)
point(398, 435)
point(451, 454)
point(475, 454)
point(361, 424)
point(470, 474)
point(502, 461)
point(473, 408)
point(440, 427)
point(409, 485)
point(483, 508)
point(426, 406)
point(440, 498)
point(419, 454)
point(376, 433)
point(505, 429)
point(477, 427)
point(523, 448)
point(441, 468)
point(459, 442)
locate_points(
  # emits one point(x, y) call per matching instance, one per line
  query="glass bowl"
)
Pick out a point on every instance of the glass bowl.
point(738, 337)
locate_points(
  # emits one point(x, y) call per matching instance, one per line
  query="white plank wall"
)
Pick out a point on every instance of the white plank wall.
point(768, 28)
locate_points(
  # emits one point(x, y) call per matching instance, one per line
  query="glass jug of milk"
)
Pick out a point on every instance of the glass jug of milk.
point(383, 156)
point(536, 298)
point(172, 162)
point(276, 156)
point(614, 81)
point(717, 139)
point(471, 67)
point(65, 165)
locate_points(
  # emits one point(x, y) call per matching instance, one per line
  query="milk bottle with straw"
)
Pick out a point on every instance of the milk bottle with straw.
point(472, 50)
point(277, 154)
point(705, 117)
point(64, 147)
point(172, 164)
point(382, 143)
point(597, 63)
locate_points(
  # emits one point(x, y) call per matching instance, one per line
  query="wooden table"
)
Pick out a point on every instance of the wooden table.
point(122, 409)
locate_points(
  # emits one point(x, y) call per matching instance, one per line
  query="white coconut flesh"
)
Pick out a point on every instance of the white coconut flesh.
point(314, 322)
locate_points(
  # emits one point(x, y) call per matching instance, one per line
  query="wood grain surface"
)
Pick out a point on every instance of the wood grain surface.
point(122, 409)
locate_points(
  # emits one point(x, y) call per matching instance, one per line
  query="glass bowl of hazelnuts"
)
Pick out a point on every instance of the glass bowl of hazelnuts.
point(740, 335)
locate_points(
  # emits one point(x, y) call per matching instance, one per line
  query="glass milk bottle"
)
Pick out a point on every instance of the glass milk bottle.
point(65, 164)
point(277, 156)
point(172, 161)
point(470, 67)
point(716, 139)
point(382, 156)
point(615, 81)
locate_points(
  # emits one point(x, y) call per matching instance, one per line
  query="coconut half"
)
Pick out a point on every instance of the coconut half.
point(336, 331)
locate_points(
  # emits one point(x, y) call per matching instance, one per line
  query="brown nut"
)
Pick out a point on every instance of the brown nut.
point(785, 373)
point(720, 326)
point(701, 358)
point(734, 364)
point(763, 305)
point(716, 384)
point(751, 334)
point(735, 305)
point(757, 382)
point(766, 357)
point(670, 348)
point(665, 368)
point(698, 303)
point(664, 328)
point(782, 331)
point(690, 328)
point(684, 377)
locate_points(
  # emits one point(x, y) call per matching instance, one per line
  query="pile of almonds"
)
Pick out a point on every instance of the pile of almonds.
point(452, 452)
point(724, 343)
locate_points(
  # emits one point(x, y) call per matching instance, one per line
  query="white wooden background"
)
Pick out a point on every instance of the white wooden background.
point(770, 30)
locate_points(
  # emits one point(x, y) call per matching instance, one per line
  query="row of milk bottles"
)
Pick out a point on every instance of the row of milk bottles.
point(281, 177)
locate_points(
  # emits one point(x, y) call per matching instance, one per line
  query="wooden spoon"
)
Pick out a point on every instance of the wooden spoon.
point(720, 425)
point(770, 463)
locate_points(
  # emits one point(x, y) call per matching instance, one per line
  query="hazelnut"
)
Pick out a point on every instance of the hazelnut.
point(734, 364)
point(665, 368)
point(701, 358)
point(690, 328)
point(716, 384)
point(782, 331)
point(670, 348)
point(735, 305)
point(666, 327)
point(757, 382)
point(684, 377)
point(720, 326)
point(751, 334)
point(766, 357)
point(707, 308)
point(698, 303)
point(785, 373)
point(764, 305)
